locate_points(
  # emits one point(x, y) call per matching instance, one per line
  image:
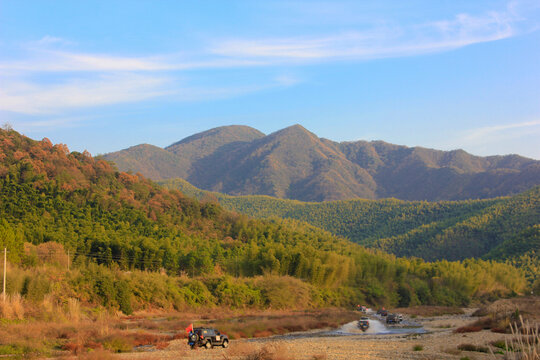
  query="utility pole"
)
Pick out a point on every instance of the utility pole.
point(5, 268)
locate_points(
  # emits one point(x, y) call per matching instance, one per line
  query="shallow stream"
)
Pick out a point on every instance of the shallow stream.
point(376, 327)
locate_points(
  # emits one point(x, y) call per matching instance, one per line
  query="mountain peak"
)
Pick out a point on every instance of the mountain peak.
point(238, 132)
point(295, 131)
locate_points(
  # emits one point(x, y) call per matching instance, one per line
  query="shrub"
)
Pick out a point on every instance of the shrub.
point(35, 287)
point(471, 347)
point(117, 344)
point(469, 328)
point(418, 347)
point(236, 294)
point(123, 297)
point(284, 292)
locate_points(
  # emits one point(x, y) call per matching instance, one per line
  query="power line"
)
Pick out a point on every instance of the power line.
point(132, 259)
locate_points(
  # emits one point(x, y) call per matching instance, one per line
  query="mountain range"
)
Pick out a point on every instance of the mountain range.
point(294, 163)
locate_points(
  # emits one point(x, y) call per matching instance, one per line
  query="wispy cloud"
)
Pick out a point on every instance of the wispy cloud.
point(113, 78)
point(498, 132)
point(508, 138)
point(380, 42)
point(50, 123)
point(31, 98)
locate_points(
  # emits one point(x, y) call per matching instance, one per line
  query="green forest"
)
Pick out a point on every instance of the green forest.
point(162, 248)
point(500, 228)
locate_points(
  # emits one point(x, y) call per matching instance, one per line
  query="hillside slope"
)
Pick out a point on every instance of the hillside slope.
point(294, 163)
point(126, 222)
point(451, 230)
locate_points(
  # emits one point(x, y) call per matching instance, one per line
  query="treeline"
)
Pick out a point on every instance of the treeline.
point(500, 228)
point(125, 222)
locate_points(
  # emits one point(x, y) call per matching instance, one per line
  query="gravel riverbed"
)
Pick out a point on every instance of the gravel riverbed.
point(438, 342)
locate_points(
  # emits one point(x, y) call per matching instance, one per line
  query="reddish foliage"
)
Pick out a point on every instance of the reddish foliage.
point(150, 339)
point(262, 333)
point(46, 143)
point(73, 348)
point(294, 328)
point(127, 179)
point(470, 328)
point(162, 345)
point(93, 345)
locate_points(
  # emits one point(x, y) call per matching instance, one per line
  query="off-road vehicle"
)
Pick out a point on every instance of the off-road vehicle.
point(361, 308)
point(394, 318)
point(363, 324)
point(208, 338)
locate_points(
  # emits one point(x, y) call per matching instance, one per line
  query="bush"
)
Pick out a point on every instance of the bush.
point(418, 347)
point(35, 287)
point(469, 328)
point(471, 347)
point(236, 294)
point(284, 292)
point(117, 344)
point(123, 297)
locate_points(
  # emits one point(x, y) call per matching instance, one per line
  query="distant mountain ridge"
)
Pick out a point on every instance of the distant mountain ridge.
point(294, 163)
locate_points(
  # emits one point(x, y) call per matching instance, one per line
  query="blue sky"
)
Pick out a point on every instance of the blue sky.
point(106, 75)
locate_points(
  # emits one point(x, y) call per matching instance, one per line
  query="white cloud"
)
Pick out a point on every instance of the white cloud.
point(31, 98)
point(381, 42)
point(119, 79)
point(50, 123)
point(48, 40)
point(287, 80)
point(498, 132)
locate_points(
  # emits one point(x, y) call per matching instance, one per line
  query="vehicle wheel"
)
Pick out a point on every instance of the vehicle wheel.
point(194, 338)
point(192, 347)
point(225, 343)
point(208, 345)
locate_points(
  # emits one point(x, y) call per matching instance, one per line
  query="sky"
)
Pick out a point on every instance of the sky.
point(106, 75)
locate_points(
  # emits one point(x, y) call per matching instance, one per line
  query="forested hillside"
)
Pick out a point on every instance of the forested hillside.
point(294, 163)
point(498, 228)
point(127, 222)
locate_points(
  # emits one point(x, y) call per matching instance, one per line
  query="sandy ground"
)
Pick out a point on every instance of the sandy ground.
point(440, 342)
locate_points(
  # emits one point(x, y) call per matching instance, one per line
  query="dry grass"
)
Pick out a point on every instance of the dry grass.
point(269, 352)
point(240, 349)
point(429, 311)
point(74, 310)
point(13, 308)
point(525, 343)
point(96, 355)
point(52, 327)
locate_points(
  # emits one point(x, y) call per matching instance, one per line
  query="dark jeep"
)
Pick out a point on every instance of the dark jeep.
point(208, 338)
point(363, 324)
point(382, 312)
point(394, 318)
